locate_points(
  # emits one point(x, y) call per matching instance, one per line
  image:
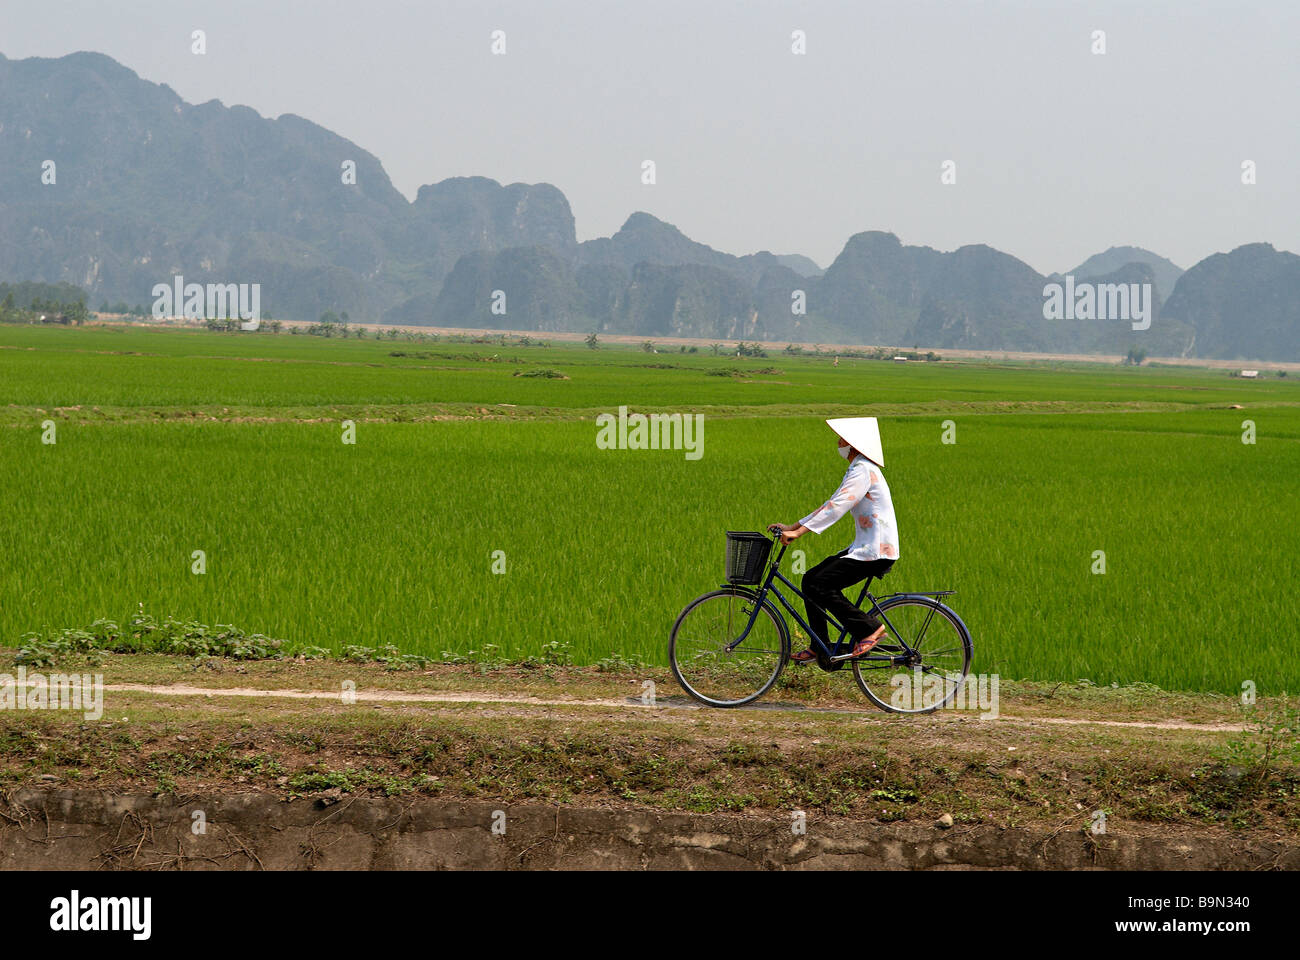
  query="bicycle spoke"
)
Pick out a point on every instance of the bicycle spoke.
point(920, 637)
point(935, 672)
point(894, 686)
point(937, 653)
point(713, 662)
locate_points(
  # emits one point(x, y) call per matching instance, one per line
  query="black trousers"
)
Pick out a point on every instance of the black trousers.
point(822, 585)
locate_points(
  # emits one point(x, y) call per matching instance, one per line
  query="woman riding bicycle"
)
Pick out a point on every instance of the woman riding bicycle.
point(864, 494)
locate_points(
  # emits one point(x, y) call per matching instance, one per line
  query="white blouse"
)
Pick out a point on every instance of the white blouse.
point(864, 494)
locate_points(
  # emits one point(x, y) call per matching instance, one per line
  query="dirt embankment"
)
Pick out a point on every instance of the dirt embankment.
point(75, 830)
point(329, 764)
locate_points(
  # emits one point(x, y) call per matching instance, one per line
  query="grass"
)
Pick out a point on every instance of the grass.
point(128, 367)
point(394, 540)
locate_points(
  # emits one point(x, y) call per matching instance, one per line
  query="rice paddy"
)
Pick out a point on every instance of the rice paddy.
point(476, 512)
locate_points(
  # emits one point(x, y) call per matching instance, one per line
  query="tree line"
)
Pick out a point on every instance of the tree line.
point(30, 302)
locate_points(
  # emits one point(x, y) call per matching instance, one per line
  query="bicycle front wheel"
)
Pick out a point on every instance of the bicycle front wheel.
point(700, 658)
point(937, 668)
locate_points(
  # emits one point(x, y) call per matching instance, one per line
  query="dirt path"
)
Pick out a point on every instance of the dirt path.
point(673, 703)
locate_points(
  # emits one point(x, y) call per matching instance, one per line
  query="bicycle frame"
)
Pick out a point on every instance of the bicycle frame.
point(818, 643)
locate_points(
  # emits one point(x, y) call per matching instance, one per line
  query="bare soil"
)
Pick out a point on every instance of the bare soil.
point(1152, 765)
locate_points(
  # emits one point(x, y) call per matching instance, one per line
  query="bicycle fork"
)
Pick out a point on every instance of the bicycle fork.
point(753, 616)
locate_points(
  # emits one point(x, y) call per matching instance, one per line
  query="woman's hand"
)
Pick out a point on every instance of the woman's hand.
point(790, 532)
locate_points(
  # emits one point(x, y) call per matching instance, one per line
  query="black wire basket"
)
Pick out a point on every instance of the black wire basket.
point(747, 552)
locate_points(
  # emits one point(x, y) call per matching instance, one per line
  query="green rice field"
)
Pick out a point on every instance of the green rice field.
point(170, 442)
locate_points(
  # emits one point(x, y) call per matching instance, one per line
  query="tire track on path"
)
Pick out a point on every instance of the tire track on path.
point(673, 703)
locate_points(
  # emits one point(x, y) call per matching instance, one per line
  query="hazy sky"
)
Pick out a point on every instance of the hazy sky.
point(1059, 152)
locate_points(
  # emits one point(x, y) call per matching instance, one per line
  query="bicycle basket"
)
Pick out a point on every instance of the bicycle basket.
point(747, 552)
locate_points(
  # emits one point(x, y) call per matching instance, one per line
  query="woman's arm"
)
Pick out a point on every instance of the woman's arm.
point(853, 489)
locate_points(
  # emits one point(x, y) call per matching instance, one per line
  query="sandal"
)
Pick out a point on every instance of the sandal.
point(865, 645)
point(803, 656)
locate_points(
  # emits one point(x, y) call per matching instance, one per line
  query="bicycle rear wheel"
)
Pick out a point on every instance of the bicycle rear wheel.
point(938, 667)
point(698, 652)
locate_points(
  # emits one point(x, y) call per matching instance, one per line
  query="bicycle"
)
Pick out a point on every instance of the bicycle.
point(722, 657)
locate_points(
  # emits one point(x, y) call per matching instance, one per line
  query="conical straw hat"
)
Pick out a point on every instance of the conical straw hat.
point(862, 434)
